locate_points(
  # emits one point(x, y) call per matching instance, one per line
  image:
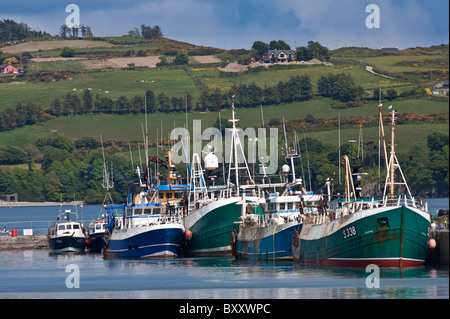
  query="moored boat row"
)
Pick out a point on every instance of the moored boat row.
point(254, 221)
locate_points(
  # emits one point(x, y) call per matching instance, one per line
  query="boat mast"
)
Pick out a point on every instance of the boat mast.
point(349, 186)
point(391, 159)
point(235, 143)
point(393, 165)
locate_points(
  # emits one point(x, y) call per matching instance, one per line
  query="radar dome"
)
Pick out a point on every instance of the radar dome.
point(211, 162)
point(285, 169)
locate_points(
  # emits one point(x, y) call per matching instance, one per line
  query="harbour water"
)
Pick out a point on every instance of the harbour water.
point(39, 274)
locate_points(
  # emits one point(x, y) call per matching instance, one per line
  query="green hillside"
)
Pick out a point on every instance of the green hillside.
point(125, 68)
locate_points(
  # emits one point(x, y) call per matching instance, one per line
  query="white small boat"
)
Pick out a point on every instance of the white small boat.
point(67, 234)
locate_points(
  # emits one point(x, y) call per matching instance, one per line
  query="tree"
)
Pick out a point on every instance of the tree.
point(123, 105)
point(164, 103)
point(318, 51)
point(278, 45)
point(12, 60)
point(311, 51)
point(87, 142)
point(151, 32)
point(303, 54)
point(33, 113)
point(259, 49)
point(55, 108)
point(437, 141)
point(137, 104)
point(63, 31)
point(87, 101)
point(150, 101)
point(181, 59)
point(72, 104)
point(63, 142)
point(391, 94)
point(52, 187)
point(68, 52)
point(188, 101)
point(339, 86)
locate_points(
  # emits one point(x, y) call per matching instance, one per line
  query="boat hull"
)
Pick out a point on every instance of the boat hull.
point(212, 227)
point(66, 244)
point(153, 241)
point(387, 237)
point(271, 242)
point(96, 242)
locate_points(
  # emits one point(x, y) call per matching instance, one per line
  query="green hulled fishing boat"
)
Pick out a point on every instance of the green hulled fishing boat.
point(213, 210)
point(391, 230)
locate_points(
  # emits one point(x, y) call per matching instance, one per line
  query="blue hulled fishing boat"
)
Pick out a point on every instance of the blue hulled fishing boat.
point(149, 225)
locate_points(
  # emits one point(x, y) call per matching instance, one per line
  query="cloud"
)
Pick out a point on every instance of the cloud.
point(239, 23)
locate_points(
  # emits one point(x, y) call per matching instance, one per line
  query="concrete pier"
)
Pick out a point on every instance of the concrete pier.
point(32, 204)
point(24, 242)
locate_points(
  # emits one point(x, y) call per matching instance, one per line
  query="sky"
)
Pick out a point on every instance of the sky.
point(235, 24)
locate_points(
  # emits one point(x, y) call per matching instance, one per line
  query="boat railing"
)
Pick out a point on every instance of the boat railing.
point(149, 220)
point(395, 200)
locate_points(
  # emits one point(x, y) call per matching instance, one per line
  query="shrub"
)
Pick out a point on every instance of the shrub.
point(68, 52)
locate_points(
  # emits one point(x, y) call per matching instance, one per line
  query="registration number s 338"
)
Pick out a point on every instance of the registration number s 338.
point(349, 232)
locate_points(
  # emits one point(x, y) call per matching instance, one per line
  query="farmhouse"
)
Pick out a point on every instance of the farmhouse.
point(10, 69)
point(281, 56)
point(389, 49)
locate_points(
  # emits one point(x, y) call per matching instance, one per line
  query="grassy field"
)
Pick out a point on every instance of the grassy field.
point(175, 82)
point(409, 63)
point(38, 46)
point(403, 134)
point(120, 82)
point(212, 78)
point(128, 127)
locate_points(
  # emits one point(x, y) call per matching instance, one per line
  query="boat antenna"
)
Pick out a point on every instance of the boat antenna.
point(339, 148)
point(307, 160)
point(360, 142)
point(131, 156)
point(223, 155)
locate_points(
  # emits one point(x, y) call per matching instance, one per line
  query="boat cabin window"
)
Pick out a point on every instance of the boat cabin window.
point(148, 211)
point(68, 226)
point(161, 195)
point(290, 206)
point(156, 210)
point(282, 206)
point(138, 211)
point(61, 227)
point(178, 195)
point(76, 226)
point(169, 195)
point(98, 226)
point(128, 212)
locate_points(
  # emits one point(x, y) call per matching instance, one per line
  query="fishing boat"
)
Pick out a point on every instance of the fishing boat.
point(67, 234)
point(212, 210)
point(149, 225)
point(97, 229)
point(390, 230)
point(267, 233)
point(96, 234)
